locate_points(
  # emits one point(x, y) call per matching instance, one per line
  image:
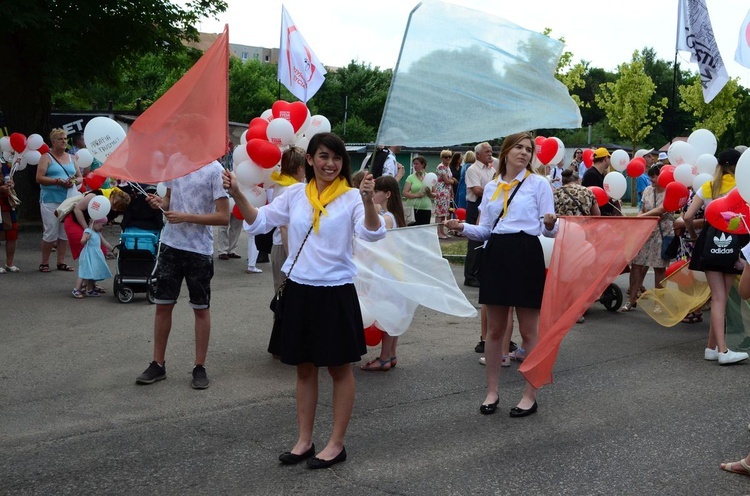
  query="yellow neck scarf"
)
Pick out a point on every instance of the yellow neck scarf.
point(282, 179)
point(319, 201)
point(727, 183)
point(505, 187)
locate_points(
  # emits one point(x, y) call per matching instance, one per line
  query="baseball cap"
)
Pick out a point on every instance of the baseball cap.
point(663, 156)
point(730, 156)
point(642, 152)
point(601, 153)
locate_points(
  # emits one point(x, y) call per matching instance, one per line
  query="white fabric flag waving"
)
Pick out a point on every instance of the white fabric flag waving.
point(742, 55)
point(695, 35)
point(465, 76)
point(299, 69)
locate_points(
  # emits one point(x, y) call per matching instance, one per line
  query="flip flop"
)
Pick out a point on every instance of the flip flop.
point(44, 268)
point(376, 365)
point(728, 467)
point(64, 267)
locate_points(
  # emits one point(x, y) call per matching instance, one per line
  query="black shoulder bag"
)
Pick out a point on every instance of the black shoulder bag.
point(277, 303)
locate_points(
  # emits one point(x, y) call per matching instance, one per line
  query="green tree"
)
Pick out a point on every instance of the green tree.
point(716, 116)
point(355, 130)
point(253, 88)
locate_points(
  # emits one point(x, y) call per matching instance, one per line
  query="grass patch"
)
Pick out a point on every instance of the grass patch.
point(455, 251)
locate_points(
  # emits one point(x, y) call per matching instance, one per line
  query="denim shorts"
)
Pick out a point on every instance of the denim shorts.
point(174, 266)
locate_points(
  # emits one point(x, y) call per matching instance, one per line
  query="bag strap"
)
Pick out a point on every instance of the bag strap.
point(509, 200)
point(658, 223)
point(61, 165)
point(298, 252)
point(578, 204)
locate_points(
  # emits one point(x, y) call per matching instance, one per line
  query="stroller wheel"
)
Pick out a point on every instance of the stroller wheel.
point(611, 298)
point(125, 294)
point(150, 295)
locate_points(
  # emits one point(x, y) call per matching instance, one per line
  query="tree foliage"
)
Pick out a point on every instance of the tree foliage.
point(716, 116)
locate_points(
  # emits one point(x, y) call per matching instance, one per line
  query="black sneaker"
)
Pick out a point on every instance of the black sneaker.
point(479, 348)
point(153, 373)
point(200, 378)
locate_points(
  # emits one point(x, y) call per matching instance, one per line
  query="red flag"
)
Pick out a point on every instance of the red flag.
point(183, 130)
point(589, 254)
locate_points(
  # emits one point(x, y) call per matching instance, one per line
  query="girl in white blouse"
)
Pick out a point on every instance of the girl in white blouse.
point(321, 323)
point(517, 206)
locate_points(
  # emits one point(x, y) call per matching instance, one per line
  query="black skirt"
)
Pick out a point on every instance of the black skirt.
point(512, 271)
point(320, 325)
point(696, 262)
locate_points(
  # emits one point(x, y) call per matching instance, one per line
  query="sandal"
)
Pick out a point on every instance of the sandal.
point(627, 307)
point(12, 268)
point(99, 289)
point(64, 267)
point(44, 268)
point(394, 362)
point(693, 318)
point(745, 467)
point(78, 295)
point(376, 365)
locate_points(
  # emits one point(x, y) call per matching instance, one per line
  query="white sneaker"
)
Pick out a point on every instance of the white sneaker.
point(506, 361)
point(253, 270)
point(732, 357)
point(711, 354)
point(482, 361)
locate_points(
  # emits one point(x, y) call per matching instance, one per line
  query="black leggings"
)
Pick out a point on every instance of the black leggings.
point(422, 217)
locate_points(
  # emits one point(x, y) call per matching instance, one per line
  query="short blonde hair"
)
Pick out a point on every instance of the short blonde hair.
point(446, 153)
point(470, 157)
point(56, 133)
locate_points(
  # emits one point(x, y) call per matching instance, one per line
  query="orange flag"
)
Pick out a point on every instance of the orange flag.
point(183, 130)
point(588, 255)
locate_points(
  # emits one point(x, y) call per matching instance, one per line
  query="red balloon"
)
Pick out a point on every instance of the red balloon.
point(257, 129)
point(44, 148)
point(548, 150)
point(295, 113)
point(676, 196)
point(460, 213)
point(675, 267)
point(237, 214)
point(263, 153)
point(588, 157)
point(636, 167)
point(728, 213)
point(600, 194)
point(539, 140)
point(18, 142)
point(373, 336)
point(93, 181)
point(666, 176)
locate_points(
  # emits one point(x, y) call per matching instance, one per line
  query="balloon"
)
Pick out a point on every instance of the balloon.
point(560, 151)
point(99, 207)
point(161, 189)
point(236, 213)
point(295, 113)
point(726, 213)
point(681, 152)
point(430, 180)
point(615, 184)
point(263, 153)
point(706, 164)
point(367, 318)
point(318, 124)
point(44, 149)
point(243, 138)
point(460, 213)
point(5, 144)
point(742, 175)
point(249, 173)
point(279, 132)
point(547, 246)
point(267, 115)
point(600, 194)
point(32, 157)
point(8, 156)
point(373, 335)
point(636, 167)
point(539, 140)
point(22, 164)
point(302, 142)
point(257, 129)
point(34, 142)
point(93, 181)
point(83, 158)
point(255, 195)
point(700, 180)
point(548, 151)
point(620, 160)
point(103, 136)
point(685, 174)
point(676, 196)
point(588, 157)
point(703, 141)
point(239, 154)
point(18, 142)
point(305, 124)
point(666, 176)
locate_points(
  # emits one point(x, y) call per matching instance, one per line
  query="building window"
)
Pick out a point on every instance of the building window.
point(256, 56)
point(244, 55)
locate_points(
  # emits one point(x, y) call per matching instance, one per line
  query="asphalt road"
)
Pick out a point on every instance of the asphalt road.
point(634, 408)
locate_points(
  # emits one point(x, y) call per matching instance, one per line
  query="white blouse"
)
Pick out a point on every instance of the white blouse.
point(326, 257)
point(525, 213)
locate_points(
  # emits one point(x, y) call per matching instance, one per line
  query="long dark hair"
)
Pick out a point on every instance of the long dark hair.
point(388, 184)
point(337, 146)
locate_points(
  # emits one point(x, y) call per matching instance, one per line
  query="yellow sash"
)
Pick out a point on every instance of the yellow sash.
point(282, 179)
point(319, 201)
point(506, 188)
point(727, 183)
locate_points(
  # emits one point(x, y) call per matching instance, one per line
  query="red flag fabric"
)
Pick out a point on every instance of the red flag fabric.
point(183, 130)
point(588, 255)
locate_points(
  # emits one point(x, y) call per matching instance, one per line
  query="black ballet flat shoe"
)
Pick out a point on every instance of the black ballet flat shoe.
point(315, 463)
point(489, 409)
point(289, 458)
point(520, 412)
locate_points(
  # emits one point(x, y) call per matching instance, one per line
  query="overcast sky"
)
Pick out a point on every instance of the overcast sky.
point(601, 32)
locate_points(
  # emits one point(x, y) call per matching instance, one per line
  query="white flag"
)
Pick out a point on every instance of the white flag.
point(299, 69)
point(695, 35)
point(742, 55)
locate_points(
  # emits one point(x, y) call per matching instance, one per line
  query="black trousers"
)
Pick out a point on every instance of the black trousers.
point(471, 266)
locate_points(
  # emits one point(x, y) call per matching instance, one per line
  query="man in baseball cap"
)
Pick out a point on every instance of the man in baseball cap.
point(595, 177)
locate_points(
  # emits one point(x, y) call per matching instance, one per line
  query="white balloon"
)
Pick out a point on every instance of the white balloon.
point(701, 179)
point(99, 207)
point(681, 152)
point(560, 152)
point(83, 158)
point(430, 180)
point(7, 156)
point(249, 173)
point(547, 246)
point(685, 174)
point(161, 189)
point(239, 154)
point(703, 141)
point(32, 157)
point(243, 137)
point(620, 159)
point(232, 203)
point(302, 142)
point(34, 141)
point(318, 124)
point(706, 163)
point(103, 136)
point(742, 175)
point(5, 145)
point(280, 132)
point(305, 125)
point(615, 185)
point(367, 318)
point(267, 115)
point(22, 164)
point(256, 196)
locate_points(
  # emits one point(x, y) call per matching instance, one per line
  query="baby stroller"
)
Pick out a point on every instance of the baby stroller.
point(138, 250)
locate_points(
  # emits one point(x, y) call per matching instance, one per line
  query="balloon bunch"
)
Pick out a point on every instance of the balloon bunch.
point(20, 151)
point(282, 126)
point(549, 150)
